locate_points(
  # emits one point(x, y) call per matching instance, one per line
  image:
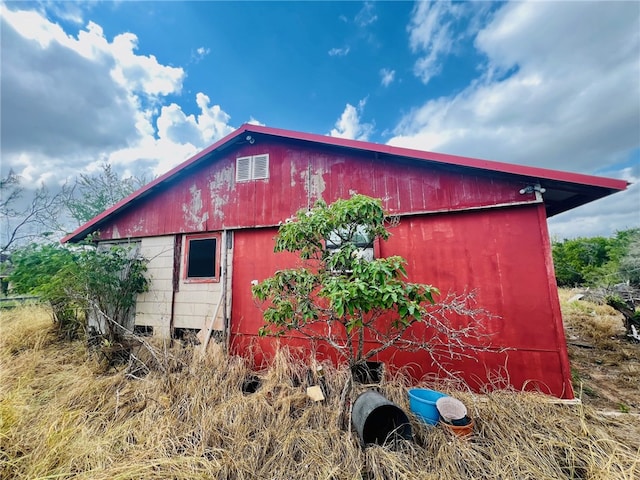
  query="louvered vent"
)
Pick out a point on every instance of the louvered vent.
point(243, 169)
point(260, 167)
point(252, 168)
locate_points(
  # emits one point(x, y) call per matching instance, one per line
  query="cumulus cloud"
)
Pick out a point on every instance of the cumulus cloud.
point(51, 112)
point(543, 114)
point(350, 125)
point(387, 76)
point(544, 98)
point(253, 121)
point(77, 101)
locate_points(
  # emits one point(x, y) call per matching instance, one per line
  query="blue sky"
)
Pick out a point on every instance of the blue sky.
point(144, 85)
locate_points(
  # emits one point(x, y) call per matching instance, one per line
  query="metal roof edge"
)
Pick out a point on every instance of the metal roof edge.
point(443, 158)
point(477, 163)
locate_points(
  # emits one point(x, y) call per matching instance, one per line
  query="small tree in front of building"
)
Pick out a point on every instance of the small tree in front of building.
point(342, 296)
point(80, 280)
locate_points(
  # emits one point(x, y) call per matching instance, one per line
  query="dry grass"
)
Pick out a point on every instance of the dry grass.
point(598, 322)
point(63, 416)
point(605, 364)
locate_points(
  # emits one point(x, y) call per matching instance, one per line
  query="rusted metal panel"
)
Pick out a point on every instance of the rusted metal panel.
point(207, 198)
point(499, 253)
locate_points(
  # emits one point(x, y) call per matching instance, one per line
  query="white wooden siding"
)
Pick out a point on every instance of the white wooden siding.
point(154, 307)
point(194, 303)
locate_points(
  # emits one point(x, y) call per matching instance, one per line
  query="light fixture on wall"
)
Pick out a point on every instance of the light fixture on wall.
point(532, 188)
point(250, 139)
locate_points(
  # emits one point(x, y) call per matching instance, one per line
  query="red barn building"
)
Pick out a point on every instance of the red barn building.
point(208, 227)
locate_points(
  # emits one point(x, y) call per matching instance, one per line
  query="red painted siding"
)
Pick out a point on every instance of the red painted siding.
point(207, 198)
point(502, 254)
point(460, 229)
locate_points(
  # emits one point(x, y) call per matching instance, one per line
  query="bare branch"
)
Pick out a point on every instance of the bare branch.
point(31, 222)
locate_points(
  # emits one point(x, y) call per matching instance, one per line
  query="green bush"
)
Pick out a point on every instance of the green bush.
point(598, 261)
point(78, 279)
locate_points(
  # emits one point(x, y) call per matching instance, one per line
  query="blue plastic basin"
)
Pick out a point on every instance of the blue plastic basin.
point(422, 402)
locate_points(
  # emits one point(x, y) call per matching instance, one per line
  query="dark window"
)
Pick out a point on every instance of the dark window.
point(202, 258)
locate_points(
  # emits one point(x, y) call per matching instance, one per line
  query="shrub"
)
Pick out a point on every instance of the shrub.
point(81, 280)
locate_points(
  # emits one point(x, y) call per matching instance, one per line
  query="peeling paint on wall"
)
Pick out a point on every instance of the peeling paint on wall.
point(138, 227)
point(221, 179)
point(209, 198)
point(219, 188)
point(193, 210)
point(314, 186)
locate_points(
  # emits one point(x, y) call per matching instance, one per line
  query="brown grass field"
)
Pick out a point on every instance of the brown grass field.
point(64, 415)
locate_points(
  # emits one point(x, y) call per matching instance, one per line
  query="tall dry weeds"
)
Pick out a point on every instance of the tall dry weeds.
point(598, 322)
point(63, 416)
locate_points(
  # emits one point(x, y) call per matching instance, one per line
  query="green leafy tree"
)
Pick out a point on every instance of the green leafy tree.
point(50, 272)
point(626, 255)
point(82, 280)
point(580, 261)
point(341, 296)
point(598, 261)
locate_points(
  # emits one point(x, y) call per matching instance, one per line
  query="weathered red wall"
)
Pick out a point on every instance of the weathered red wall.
point(207, 198)
point(499, 253)
point(502, 252)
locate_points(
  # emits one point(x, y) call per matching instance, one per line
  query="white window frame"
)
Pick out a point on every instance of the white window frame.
point(254, 167)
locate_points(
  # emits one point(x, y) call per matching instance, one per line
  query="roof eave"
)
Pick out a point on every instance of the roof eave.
point(605, 186)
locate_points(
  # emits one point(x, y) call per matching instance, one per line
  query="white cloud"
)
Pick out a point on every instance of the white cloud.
point(59, 95)
point(76, 101)
point(366, 16)
point(253, 121)
point(349, 124)
point(431, 34)
point(387, 76)
point(550, 112)
point(339, 52)
point(544, 98)
point(199, 54)
point(70, 11)
point(139, 73)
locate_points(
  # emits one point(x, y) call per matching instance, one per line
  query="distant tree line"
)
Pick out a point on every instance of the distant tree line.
point(598, 261)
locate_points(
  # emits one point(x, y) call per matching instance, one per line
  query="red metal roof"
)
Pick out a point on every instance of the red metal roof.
point(564, 190)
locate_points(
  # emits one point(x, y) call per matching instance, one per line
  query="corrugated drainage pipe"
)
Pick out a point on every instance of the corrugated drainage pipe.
point(378, 420)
